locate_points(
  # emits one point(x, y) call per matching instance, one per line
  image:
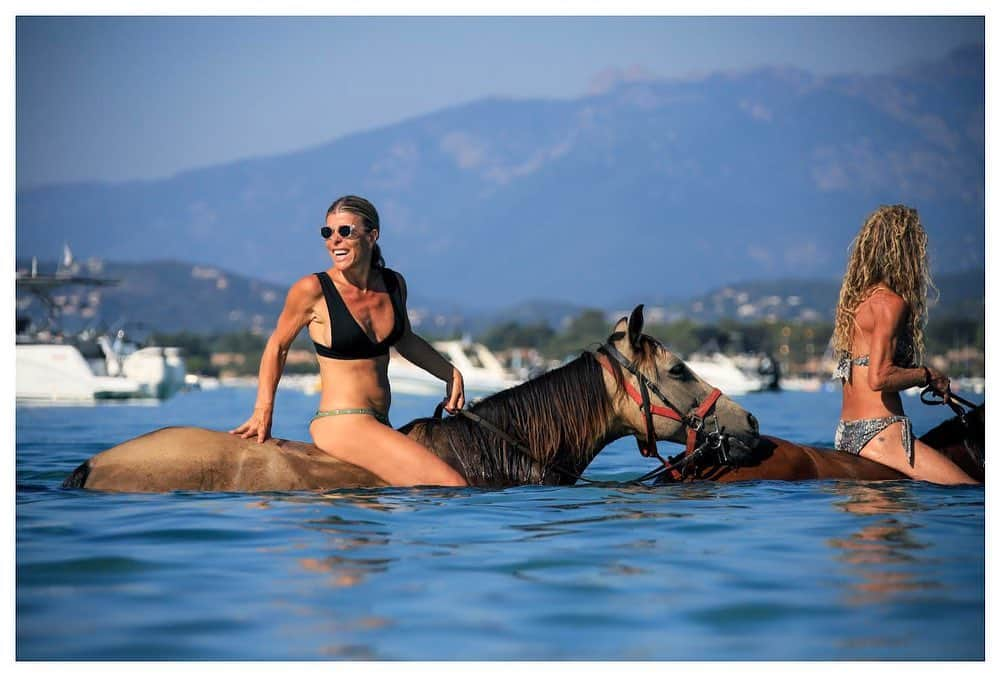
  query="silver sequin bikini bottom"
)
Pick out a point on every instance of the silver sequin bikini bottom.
point(852, 436)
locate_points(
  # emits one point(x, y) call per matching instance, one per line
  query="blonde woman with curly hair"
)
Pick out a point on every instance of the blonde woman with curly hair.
point(879, 340)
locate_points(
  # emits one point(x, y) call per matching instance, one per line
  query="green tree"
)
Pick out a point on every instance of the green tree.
point(681, 336)
point(515, 335)
point(587, 329)
point(243, 342)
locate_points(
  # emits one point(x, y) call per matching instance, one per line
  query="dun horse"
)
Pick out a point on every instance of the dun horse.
point(545, 431)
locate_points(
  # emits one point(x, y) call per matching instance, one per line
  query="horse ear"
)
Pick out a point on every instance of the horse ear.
point(620, 326)
point(635, 322)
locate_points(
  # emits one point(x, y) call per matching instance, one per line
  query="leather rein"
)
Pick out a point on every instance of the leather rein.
point(694, 421)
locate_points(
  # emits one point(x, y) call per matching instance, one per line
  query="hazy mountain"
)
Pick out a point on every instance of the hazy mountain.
point(659, 187)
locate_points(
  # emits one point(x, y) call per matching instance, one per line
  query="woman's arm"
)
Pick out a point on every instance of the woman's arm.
point(421, 353)
point(296, 314)
point(888, 315)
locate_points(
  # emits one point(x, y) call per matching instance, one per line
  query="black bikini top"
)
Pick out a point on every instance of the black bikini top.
point(348, 341)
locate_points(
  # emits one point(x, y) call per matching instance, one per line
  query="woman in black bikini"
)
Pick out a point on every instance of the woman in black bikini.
point(355, 311)
point(878, 337)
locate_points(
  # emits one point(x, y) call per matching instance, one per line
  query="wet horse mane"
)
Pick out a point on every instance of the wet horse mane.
point(964, 443)
point(563, 416)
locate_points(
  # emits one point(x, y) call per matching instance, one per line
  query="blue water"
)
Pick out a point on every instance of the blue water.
point(758, 570)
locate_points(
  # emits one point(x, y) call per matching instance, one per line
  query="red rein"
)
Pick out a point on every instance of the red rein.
point(657, 410)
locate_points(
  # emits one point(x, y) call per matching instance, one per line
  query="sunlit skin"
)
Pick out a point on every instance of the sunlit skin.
point(873, 391)
point(359, 383)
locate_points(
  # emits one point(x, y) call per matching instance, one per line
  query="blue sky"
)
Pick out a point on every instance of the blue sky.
point(120, 98)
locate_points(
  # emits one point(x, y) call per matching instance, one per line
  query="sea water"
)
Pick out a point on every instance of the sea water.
point(753, 570)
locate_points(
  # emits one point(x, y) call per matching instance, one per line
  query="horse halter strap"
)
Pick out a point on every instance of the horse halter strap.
point(694, 420)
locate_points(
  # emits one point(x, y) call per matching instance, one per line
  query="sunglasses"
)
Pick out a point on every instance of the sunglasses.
point(348, 232)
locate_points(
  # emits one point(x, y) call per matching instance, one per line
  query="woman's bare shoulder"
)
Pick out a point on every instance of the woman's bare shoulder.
point(885, 306)
point(884, 299)
point(308, 286)
point(879, 295)
point(881, 305)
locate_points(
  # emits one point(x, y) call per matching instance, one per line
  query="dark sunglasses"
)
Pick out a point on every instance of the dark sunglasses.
point(349, 231)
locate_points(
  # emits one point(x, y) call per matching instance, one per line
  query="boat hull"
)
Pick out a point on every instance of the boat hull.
point(47, 372)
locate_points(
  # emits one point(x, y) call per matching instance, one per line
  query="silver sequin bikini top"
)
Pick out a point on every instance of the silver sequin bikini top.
point(843, 370)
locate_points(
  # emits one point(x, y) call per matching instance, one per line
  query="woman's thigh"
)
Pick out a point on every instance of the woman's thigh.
point(928, 464)
point(391, 455)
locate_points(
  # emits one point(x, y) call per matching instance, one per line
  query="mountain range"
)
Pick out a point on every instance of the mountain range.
point(665, 188)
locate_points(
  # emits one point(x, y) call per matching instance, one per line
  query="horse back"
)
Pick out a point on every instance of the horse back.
point(780, 459)
point(196, 459)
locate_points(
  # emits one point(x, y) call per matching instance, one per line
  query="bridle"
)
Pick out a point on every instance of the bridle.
point(962, 409)
point(701, 422)
point(700, 439)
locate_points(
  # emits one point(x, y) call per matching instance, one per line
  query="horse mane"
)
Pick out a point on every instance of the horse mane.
point(963, 444)
point(562, 416)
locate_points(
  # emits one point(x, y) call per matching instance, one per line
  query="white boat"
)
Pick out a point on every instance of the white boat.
point(59, 372)
point(725, 374)
point(52, 368)
point(482, 372)
point(809, 384)
point(200, 382)
point(307, 383)
point(54, 372)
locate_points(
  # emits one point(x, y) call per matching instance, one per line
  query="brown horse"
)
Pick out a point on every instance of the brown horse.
point(545, 431)
point(960, 438)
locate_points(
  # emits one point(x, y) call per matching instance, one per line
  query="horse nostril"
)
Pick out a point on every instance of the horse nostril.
point(753, 424)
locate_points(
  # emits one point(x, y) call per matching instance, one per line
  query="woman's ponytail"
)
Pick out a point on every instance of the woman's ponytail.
point(377, 260)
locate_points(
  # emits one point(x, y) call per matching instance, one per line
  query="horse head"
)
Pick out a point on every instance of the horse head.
point(658, 397)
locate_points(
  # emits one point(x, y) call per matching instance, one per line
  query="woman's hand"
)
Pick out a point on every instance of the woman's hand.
point(258, 424)
point(455, 397)
point(940, 383)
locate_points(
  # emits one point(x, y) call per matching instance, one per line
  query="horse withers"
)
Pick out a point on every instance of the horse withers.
point(544, 431)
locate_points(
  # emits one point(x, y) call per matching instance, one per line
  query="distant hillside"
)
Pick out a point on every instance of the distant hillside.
point(165, 296)
point(960, 295)
point(171, 296)
point(665, 187)
point(556, 314)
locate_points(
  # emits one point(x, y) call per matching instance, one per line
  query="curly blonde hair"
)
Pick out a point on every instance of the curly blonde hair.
point(890, 251)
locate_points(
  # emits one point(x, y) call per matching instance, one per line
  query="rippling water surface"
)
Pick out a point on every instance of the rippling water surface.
point(758, 570)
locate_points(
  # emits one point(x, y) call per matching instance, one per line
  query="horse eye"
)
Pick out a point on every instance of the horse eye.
point(677, 370)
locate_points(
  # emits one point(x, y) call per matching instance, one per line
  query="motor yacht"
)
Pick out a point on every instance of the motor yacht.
point(726, 374)
point(482, 372)
point(53, 367)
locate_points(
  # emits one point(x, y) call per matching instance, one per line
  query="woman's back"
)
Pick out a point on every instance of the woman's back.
point(860, 399)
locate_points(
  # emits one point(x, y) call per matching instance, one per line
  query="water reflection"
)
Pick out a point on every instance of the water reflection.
point(349, 526)
point(343, 572)
point(881, 552)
